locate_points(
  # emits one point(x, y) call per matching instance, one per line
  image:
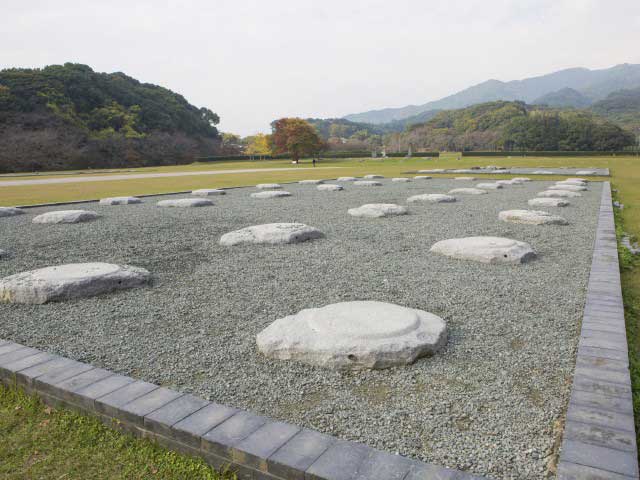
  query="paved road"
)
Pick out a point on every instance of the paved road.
point(106, 178)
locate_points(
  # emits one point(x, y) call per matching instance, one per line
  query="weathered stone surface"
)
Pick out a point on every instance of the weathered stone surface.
point(185, 203)
point(422, 177)
point(401, 179)
point(269, 186)
point(208, 192)
point(3, 253)
point(586, 172)
point(372, 177)
point(10, 211)
point(367, 183)
point(310, 182)
point(329, 187)
point(522, 179)
point(485, 249)
point(354, 335)
point(120, 201)
point(431, 198)
point(70, 281)
point(531, 217)
point(467, 191)
point(272, 234)
point(489, 186)
point(346, 179)
point(576, 179)
point(579, 183)
point(376, 210)
point(568, 188)
point(433, 170)
point(66, 216)
point(559, 194)
point(465, 178)
point(270, 194)
point(548, 202)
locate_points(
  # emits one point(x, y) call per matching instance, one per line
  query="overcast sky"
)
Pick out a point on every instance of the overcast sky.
point(254, 61)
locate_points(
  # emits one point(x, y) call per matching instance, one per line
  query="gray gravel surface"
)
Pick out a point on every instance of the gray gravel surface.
point(489, 403)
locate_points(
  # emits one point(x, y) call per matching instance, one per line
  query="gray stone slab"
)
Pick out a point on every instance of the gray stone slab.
point(433, 472)
point(596, 373)
point(600, 417)
point(66, 389)
point(135, 410)
point(617, 461)
point(588, 361)
point(341, 461)
point(298, 454)
point(604, 352)
point(622, 403)
point(611, 327)
point(10, 347)
point(9, 370)
point(573, 471)
point(190, 429)
point(232, 431)
point(161, 420)
point(261, 444)
point(87, 395)
point(384, 466)
point(111, 403)
point(46, 383)
point(27, 376)
point(17, 355)
point(580, 382)
point(600, 435)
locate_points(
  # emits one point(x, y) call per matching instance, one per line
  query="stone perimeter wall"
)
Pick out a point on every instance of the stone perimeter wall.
point(598, 439)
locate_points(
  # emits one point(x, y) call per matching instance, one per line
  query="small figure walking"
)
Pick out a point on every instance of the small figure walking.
point(314, 161)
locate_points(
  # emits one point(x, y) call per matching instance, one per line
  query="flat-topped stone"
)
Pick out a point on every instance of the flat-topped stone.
point(372, 177)
point(559, 194)
point(119, 201)
point(522, 179)
point(433, 170)
point(208, 192)
point(485, 249)
point(184, 203)
point(270, 194)
point(272, 234)
point(269, 186)
point(68, 281)
point(310, 182)
point(489, 186)
point(531, 217)
point(377, 210)
point(511, 181)
point(346, 179)
point(568, 187)
point(400, 179)
point(467, 191)
point(329, 187)
point(10, 211)
point(367, 183)
point(548, 202)
point(464, 179)
point(431, 198)
point(422, 177)
point(354, 335)
point(66, 216)
point(580, 183)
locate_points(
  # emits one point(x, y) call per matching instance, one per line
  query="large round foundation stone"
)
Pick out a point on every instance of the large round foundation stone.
point(559, 194)
point(354, 335)
point(120, 201)
point(467, 191)
point(208, 192)
point(367, 183)
point(68, 281)
point(310, 182)
point(10, 211)
point(269, 186)
point(66, 216)
point(531, 217)
point(185, 203)
point(580, 183)
point(270, 194)
point(422, 177)
point(485, 249)
point(431, 198)
point(548, 202)
point(346, 179)
point(372, 177)
point(329, 187)
point(400, 179)
point(489, 186)
point(272, 234)
point(377, 210)
point(568, 187)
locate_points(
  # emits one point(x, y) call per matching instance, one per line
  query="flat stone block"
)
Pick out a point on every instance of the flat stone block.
point(56, 364)
point(18, 354)
point(616, 461)
point(46, 383)
point(135, 410)
point(190, 429)
point(621, 356)
point(111, 403)
point(586, 361)
point(600, 417)
point(433, 472)
point(10, 347)
point(261, 444)
point(340, 462)
point(67, 389)
point(384, 466)
point(597, 373)
point(161, 420)
point(599, 435)
point(10, 369)
point(573, 471)
point(298, 454)
point(87, 395)
point(232, 431)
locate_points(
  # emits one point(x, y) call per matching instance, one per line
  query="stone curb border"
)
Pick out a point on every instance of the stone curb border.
point(599, 439)
point(254, 446)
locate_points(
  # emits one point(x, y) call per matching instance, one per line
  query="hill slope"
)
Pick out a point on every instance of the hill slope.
point(68, 116)
point(621, 107)
point(566, 97)
point(594, 84)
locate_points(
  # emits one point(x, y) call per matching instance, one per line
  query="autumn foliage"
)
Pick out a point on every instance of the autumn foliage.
point(296, 137)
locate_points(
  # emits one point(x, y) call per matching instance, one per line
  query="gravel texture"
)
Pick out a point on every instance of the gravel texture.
point(488, 403)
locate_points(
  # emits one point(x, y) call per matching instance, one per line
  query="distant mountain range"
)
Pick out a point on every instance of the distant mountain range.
point(573, 87)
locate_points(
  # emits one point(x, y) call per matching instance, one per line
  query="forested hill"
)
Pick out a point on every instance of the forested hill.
point(68, 116)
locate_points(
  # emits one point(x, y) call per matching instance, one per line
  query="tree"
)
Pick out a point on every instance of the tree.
point(258, 145)
point(296, 137)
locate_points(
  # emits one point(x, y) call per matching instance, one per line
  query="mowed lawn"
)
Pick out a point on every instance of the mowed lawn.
point(38, 442)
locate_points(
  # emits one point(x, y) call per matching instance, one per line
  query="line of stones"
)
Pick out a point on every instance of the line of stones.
point(254, 446)
point(599, 440)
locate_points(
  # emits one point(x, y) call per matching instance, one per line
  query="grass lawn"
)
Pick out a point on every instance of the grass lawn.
point(36, 442)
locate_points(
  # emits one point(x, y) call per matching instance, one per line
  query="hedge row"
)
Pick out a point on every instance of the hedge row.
point(546, 154)
point(217, 158)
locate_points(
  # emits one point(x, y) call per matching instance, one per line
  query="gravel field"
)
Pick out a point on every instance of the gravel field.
point(489, 403)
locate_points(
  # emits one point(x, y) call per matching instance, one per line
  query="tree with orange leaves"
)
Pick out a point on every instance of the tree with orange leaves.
point(296, 137)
